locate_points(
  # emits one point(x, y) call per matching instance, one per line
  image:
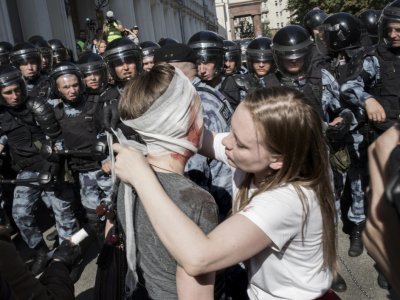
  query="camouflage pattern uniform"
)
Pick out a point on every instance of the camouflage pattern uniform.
point(21, 130)
point(354, 94)
point(25, 199)
point(212, 175)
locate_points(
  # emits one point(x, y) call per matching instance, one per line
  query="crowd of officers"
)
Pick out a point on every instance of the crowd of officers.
point(56, 115)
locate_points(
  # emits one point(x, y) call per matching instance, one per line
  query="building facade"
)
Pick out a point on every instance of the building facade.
point(63, 19)
point(275, 14)
point(238, 19)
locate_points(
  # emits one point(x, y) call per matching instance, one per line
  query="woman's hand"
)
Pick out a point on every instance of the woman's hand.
point(130, 164)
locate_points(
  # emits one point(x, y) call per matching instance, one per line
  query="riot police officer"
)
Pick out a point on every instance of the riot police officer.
point(148, 49)
point(5, 50)
point(370, 18)
point(260, 61)
point(26, 122)
point(313, 19)
point(387, 90)
point(209, 49)
point(27, 58)
point(77, 115)
point(233, 59)
point(46, 53)
point(342, 36)
point(94, 71)
point(124, 61)
point(60, 52)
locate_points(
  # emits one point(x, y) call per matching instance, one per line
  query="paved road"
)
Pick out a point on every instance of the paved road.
point(359, 273)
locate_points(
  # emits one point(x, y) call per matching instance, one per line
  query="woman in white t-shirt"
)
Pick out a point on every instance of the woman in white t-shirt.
point(282, 225)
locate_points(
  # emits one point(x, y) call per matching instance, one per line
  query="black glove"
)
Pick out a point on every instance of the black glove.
point(339, 131)
point(68, 253)
point(110, 114)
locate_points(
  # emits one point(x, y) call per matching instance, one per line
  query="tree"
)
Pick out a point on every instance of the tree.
point(299, 8)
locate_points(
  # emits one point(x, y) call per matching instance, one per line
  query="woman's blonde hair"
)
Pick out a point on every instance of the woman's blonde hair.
point(290, 127)
point(141, 91)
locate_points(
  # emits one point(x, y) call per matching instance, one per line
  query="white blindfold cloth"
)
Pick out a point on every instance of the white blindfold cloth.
point(165, 125)
point(164, 128)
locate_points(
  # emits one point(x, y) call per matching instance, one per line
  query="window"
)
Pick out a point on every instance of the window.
point(276, 13)
point(277, 25)
point(280, 13)
point(276, 3)
point(282, 24)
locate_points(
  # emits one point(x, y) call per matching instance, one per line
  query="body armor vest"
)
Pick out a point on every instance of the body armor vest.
point(312, 89)
point(25, 138)
point(387, 90)
point(79, 133)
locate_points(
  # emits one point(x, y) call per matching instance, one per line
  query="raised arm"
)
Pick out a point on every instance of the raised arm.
point(207, 146)
point(233, 241)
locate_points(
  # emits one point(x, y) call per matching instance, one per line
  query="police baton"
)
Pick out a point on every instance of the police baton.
point(97, 153)
point(42, 179)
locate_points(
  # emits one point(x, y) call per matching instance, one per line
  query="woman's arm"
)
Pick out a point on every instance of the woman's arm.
point(197, 288)
point(233, 241)
point(207, 145)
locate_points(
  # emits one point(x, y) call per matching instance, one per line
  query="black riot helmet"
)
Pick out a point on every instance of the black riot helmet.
point(390, 18)
point(148, 48)
point(313, 19)
point(292, 50)
point(167, 41)
point(5, 50)
point(46, 52)
point(209, 47)
point(259, 50)
point(10, 75)
point(65, 68)
point(233, 53)
point(370, 18)
point(340, 31)
point(90, 63)
point(122, 51)
point(60, 52)
point(26, 53)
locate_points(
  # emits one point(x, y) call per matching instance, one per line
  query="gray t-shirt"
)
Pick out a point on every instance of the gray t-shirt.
point(157, 265)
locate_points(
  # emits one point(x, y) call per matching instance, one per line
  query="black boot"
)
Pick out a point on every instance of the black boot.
point(338, 284)
point(96, 225)
point(382, 282)
point(41, 259)
point(356, 245)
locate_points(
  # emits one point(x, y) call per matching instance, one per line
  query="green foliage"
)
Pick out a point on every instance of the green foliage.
point(299, 8)
point(266, 31)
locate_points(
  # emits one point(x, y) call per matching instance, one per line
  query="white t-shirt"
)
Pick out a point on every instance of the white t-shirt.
point(292, 267)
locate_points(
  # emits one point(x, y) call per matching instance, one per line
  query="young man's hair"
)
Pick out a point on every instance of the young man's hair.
point(141, 92)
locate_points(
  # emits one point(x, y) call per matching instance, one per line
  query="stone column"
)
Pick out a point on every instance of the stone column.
point(124, 11)
point(159, 20)
point(5, 26)
point(144, 20)
point(60, 24)
point(34, 18)
point(257, 25)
